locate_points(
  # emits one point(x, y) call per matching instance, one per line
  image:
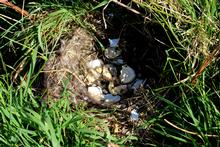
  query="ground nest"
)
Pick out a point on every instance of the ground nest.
point(119, 76)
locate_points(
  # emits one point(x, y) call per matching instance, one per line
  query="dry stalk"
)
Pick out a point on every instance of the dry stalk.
point(16, 8)
point(206, 63)
point(189, 132)
point(9, 18)
point(124, 6)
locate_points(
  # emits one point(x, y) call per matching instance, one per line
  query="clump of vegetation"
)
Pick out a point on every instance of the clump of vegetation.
point(187, 92)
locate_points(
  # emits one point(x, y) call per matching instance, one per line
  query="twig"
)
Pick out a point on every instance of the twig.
point(16, 8)
point(130, 9)
point(124, 6)
point(189, 132)
point(206, 63)
point(103, 14)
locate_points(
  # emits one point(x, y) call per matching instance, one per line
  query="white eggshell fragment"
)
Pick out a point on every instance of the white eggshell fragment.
point(137, 84)
point(113, 42)
point(109, 71)
point(95, 93)
point(134, 115)
point(109, 98)
point(92, 77)
point(112, 52)
point(118, 61)
point(127, 74)
point(94, 64)
point(106, 73)
point(99, 70)
point(112, 69)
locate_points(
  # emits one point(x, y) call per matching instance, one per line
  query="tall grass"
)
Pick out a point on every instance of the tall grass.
point(193, 112)
point(26, 120)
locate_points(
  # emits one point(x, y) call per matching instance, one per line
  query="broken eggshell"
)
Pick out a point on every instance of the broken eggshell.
point(127, 74)
point(94, 71)
point(113, 42)
point(118, 61)
point(112, 52)
point(109, 98)
point(109, 72)
point(92, 76)
point(106, 74)
point(94, 64)
point(137, 84)
point(117, 90)
point(134, 115)
point(95, 93)
point(121, 89)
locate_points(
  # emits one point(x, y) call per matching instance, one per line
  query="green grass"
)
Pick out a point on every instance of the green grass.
point(28, 121)
point(195, 27)
point(189, 115)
